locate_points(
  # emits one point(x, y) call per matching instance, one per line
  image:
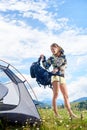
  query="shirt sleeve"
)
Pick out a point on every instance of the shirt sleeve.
point(65, 61)
point(47, 63)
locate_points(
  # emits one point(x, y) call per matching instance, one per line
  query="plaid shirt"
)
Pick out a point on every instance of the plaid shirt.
point(57, 62)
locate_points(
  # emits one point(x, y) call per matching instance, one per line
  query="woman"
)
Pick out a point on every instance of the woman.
point(58, 61)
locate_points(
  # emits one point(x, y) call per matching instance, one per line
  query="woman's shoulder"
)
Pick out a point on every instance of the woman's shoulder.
point(62, 51)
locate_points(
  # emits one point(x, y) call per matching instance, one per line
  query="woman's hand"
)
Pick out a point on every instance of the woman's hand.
point(55, 70)
point(42, 57)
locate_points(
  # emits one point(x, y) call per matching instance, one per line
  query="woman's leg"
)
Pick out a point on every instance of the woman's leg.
point(55, 95)
point(64, 91)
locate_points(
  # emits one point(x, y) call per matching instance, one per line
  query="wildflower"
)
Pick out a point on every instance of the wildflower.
point(55, 123)
point(80, 127)
point(26, 122)
point(30, 119)
point(36, 123)
point(70, 118)
point(16, 121)
point(67, 126)
point(61, 121)
point(23, 126)
point(43, 120)
point(46, 107)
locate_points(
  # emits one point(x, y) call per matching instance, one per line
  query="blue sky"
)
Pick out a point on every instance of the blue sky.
point(28, 28)
point(76, 12)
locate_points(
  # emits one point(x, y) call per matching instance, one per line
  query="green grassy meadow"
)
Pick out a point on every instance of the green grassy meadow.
point(50, 122)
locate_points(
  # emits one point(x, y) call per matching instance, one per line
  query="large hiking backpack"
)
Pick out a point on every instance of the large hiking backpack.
point(43, 77)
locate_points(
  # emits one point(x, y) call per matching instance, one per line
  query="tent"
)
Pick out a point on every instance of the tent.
point(16, 103)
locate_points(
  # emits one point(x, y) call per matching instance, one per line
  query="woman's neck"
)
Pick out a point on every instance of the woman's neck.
point(58, 54)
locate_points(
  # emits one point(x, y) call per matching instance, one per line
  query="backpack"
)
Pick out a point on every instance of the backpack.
point(43, 77)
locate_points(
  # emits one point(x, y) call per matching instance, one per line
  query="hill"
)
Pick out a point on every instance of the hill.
point(80, 99)
point(41, 104)
point(47, 103)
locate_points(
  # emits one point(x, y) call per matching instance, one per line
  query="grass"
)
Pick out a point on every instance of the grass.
point(50, 122)
point(65, 123)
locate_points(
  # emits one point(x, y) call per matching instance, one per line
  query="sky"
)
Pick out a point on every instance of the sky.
point(29, 27)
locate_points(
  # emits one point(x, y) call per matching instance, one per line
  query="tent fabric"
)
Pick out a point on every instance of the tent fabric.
point(10, 74)
point(3, 91)
point(24, 108)
point(4, 107)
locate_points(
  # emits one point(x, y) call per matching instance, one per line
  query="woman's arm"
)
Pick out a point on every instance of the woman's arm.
point(46, 63)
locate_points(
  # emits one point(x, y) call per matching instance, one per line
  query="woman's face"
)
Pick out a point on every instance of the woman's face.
point(54, 50)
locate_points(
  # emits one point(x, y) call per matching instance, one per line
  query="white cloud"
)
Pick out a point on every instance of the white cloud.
point(77, 88)
point(74, 42)
point(81, 61)
point(35, 10)
point(42, 93)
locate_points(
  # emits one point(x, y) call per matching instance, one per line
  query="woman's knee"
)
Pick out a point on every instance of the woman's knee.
point(55, 95)
point(66, 97)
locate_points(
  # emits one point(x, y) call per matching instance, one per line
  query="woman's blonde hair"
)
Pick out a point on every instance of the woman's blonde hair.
point(56, 45)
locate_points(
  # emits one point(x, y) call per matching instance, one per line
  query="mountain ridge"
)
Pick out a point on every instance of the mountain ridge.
point(80, 99)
